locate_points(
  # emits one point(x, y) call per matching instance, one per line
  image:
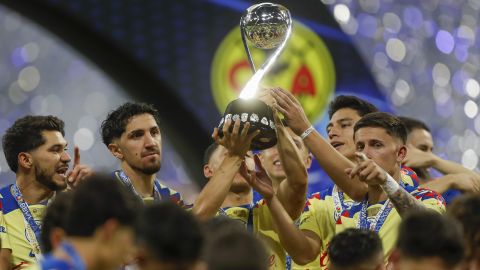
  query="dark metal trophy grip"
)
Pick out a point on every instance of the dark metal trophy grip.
point(267, 26)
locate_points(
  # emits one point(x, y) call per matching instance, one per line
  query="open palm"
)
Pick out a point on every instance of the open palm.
point(258, 179)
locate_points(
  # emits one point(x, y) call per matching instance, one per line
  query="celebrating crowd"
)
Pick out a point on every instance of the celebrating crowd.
point(384, 211)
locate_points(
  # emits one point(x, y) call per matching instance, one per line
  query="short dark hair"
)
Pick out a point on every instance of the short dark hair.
point(217, 224)
point(412, 123)
point(428, 234)
point(54, 218)
point(209, 152)
point(352, 102)
point(115, 123)
point(390, 123)
point(98, 198)
point(171, 234)
point(230, 247)
point(466, 210)
point(26, 135)
point(353, 247)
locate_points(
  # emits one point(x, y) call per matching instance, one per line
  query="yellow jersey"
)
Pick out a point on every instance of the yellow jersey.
point(258, 220)
point(322, 216)
point(15, 233)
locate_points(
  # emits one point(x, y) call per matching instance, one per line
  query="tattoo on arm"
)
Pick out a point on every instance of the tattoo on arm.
point(404, 202)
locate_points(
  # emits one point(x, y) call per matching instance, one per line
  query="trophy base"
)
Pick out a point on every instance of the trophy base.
point(260, 116)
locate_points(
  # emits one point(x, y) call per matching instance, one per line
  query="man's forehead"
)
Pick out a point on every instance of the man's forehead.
point(141, 121)
point(333, 120)
point(368, 133)
point(221, 151)
point(53, 137)
point(419, 133)
point(345, 113)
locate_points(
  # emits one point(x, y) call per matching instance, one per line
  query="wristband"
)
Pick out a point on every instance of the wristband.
point(390, 186)
point(307, 132)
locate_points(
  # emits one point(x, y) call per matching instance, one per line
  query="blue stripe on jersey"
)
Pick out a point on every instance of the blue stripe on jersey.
point(9, 203)
point(256, 196)
point(326, 192)
point(164, 193)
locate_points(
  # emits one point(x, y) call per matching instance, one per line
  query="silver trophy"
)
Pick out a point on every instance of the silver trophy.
point(267, 26)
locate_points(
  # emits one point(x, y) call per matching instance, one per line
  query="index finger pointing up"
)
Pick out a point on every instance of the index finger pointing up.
point(76, 156)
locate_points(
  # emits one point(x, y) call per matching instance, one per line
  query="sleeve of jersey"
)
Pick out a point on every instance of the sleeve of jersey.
point(5, 240)
point(176, 197)
point(431, 199)
point(409, 177)
point(308, 220)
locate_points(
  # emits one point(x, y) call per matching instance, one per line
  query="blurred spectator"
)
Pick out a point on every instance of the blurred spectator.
point(357, 249)
point(466, 209)
point(53, 224)
point(428, 240)
point(421, 159)
point(229, 247)
point(98, 227)
point(168, 237)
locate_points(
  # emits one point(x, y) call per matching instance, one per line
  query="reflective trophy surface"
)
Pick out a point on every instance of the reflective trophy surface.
point(267, 26)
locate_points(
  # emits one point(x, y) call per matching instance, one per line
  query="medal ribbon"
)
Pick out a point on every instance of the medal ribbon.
point(28, 217)
point(339, 203)
point(379, 218)
point(126, 181)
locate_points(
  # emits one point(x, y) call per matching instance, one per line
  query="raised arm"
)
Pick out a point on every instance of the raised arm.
point(215, 191)
point(455, 176)
point(329, 159)
point(464, 182)
point(371, 173)
point(302, 246)
point(401, 199)
point(292, 191)
point(417, 158)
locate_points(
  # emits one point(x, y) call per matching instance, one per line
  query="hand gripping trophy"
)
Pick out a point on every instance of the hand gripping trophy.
point(266, 26)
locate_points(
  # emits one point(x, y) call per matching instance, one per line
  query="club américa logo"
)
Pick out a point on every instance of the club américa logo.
point(305, 68)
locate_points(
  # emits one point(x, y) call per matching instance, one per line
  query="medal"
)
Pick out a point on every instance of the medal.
point(31, 226)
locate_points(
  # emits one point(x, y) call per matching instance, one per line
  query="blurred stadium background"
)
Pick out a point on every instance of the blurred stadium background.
point(80, 59)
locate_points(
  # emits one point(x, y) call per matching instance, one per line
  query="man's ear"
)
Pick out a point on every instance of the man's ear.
point(402, 153)
point(207, 171)
point(308, 163)
point(115, 150)
point(107, 231)
point(25, 160)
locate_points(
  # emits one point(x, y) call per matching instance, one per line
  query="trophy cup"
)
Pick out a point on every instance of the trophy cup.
point(267, 26)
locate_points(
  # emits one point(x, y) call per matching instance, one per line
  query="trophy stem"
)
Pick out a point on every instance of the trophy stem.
point(251, 87)
point(245, 44)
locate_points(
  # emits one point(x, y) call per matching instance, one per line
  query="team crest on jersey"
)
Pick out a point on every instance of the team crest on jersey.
point(29, 234)
point(305, 68)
